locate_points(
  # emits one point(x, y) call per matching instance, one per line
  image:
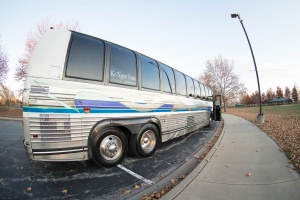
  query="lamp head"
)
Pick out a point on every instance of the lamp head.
point(235, 15)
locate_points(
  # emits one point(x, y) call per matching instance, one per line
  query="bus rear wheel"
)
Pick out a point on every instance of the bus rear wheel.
point(109, 147)
point(144, 143)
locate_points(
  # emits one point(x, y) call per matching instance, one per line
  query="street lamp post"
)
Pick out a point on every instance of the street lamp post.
point(260, 117)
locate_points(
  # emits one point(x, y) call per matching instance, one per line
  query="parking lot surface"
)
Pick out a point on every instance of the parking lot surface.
point(22, 179)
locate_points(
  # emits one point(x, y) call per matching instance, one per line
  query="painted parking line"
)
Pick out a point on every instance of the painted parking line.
point(136, 175)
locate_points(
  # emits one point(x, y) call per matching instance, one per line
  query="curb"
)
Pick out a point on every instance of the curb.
point(11, 119)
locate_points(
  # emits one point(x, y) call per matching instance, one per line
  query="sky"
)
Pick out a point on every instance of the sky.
point(182, 34)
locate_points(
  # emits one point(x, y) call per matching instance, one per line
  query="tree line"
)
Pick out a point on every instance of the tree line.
point(288, 93)
point(219, 75)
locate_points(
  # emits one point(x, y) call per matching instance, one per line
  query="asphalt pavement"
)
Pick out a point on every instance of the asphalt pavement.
point(22, 179)
point(245, 163)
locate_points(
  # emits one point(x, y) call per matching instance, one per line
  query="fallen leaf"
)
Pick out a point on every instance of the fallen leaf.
point(228, 166)
point(64, 191)
point(136, 187)
point(195, 156)
point(173, 181)
point(143, 184)
point(291, 171)
point(249, 174)
point(182, 177)
point(29, 189)
point(127, 191)
point(157, 195)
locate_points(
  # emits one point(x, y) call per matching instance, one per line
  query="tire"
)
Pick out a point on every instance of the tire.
point(144, 143)
point(109, 147)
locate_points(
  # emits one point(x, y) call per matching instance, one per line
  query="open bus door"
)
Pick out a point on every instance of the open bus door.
point(217, 107)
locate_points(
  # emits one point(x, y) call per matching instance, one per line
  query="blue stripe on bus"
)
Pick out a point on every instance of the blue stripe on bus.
point(81, 103)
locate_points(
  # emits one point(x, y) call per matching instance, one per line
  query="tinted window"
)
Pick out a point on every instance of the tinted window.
point(197, 88)
point(208, 91)
point(209, 94)
point(122, 66)
point(180, 83)
point(190, 86)
point(150, 73)
point(168, 79)
point(86, 58)
point(205, 90)
point(202, 94)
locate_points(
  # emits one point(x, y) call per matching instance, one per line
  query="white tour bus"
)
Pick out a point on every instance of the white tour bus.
point(86, 98)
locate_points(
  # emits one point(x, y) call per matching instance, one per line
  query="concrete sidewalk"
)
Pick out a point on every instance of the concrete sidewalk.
point(245, 163)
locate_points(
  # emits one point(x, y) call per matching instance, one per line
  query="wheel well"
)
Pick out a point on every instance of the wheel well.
point(159, 132)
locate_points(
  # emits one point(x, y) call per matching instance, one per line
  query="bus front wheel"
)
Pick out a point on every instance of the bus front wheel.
point(144, 143)
point(109, 147)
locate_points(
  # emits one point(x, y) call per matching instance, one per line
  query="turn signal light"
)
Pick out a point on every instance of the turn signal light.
point(87, 110)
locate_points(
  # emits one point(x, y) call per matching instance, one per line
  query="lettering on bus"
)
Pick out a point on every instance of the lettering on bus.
point(122, 77)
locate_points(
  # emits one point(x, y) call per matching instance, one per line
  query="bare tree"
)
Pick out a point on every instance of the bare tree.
point(245, 99)
point(220, 77)
point(270, 94)
point(264, 98)
point(7, 96)
point(33, 38)
point(287, 92)
point(295, 95)
point(3, 65)
point(255, 98)
point(279, 92)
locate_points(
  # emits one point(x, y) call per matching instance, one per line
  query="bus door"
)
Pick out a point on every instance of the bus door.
point(217, 107)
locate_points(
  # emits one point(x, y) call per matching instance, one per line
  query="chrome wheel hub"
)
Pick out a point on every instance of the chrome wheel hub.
point(111, 147)
point(148, 141)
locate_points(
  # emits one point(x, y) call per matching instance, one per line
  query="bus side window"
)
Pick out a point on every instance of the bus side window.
point(206, 92)
point(122, 66)
point(180, 83)
point(168, 80)
point(190, 86)
point(150, 73)
point(197, 89)
point(210, 94)
point(86, 58)
point(202, 95)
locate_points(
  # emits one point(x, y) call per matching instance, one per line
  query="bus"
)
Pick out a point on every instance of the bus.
point(87, 98)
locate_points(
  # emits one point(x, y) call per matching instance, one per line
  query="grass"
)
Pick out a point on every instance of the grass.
point(291, 110)
point(11, 112)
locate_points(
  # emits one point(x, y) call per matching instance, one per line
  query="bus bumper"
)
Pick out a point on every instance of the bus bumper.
point(28, 150)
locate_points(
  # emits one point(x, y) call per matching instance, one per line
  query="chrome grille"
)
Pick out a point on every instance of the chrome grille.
point(39, 89)
point(55, 127)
